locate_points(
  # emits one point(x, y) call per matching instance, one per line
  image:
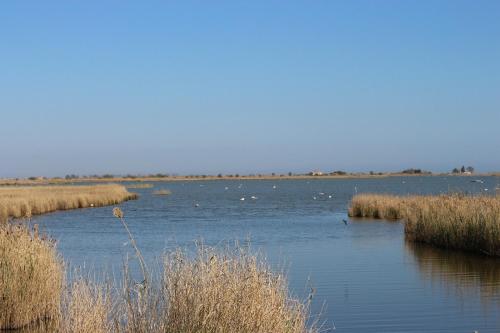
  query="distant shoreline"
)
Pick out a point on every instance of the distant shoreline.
point(120, 179)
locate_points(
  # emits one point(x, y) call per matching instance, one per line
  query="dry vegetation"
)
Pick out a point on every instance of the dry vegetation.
point(214, 291)
point(31, 277)
point(140, 185)
point(162, 192)
point(455, 221)
point(379, 206)
point(26, 201)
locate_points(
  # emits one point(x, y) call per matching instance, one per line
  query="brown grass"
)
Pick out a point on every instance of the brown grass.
point(213, 292)
point(454, 221)
point(216, 291)
point(162, 192)
point(229, 292)
point(87, 308)
point(16, 202)
point(379, 206)
point(139, 185)
point(31, 277)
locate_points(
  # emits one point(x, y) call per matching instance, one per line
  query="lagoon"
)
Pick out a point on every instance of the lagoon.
point(366, 277)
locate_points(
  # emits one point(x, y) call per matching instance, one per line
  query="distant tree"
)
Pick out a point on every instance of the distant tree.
point(455, 170)
point(372, 173)
point(470, 169)
point(237, 175)
point(462, 170)
point(290, 174)
point(219, 175)
point(273, 174)
point(412, 171)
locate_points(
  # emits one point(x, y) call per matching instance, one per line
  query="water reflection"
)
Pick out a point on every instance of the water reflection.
point(466, 274)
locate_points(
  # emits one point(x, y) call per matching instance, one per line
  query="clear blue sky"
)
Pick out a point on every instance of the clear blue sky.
point(239, 87)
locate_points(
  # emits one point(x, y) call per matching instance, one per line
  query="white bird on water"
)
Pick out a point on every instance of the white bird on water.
point(274, 186)
point(242, 199)
point(253, 197)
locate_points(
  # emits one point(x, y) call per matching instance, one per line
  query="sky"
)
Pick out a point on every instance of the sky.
point(201, 87)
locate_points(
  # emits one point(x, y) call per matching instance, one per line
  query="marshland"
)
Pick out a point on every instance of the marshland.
point(454, 221)
point(355, 273)
point(25, 201)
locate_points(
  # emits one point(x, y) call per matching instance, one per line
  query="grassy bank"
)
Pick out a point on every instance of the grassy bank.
point(469, 223)
point(26, 201)
point(214, 291)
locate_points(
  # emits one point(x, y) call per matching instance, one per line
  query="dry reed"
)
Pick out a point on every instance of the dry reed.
point(88, 308)
point(31, 277)
point(215, 291)
point(26, 201)
point(454, 221)
point(162, 192)
point(139, 185)
point(379, 206)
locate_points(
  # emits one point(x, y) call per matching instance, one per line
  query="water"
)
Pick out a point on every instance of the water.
point(366, 277)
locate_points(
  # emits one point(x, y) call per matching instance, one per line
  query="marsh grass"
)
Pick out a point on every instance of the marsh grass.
point(31, 277)
point(215, 290)
point(456, 222)
point(162, 192)
point(379, 206)
point(18, 202)
point(139, 185)
point(453, 221)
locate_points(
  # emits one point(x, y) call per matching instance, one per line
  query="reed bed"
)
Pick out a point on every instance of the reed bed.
point(31, 277)
point(162, 192)
point(453, 221)
point(456, 222)
point(18, 202)
point(139, 185)
point(214, 291)
point(380, 206)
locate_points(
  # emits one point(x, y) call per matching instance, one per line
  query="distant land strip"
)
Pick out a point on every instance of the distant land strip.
point(74, 179)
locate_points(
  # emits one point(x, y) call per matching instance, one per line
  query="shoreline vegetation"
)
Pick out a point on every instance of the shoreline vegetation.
point(227, 290)
point(455, 221)
point(26, 201)
point(136, 180)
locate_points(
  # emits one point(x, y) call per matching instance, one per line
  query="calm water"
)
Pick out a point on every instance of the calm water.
point(370, 279)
